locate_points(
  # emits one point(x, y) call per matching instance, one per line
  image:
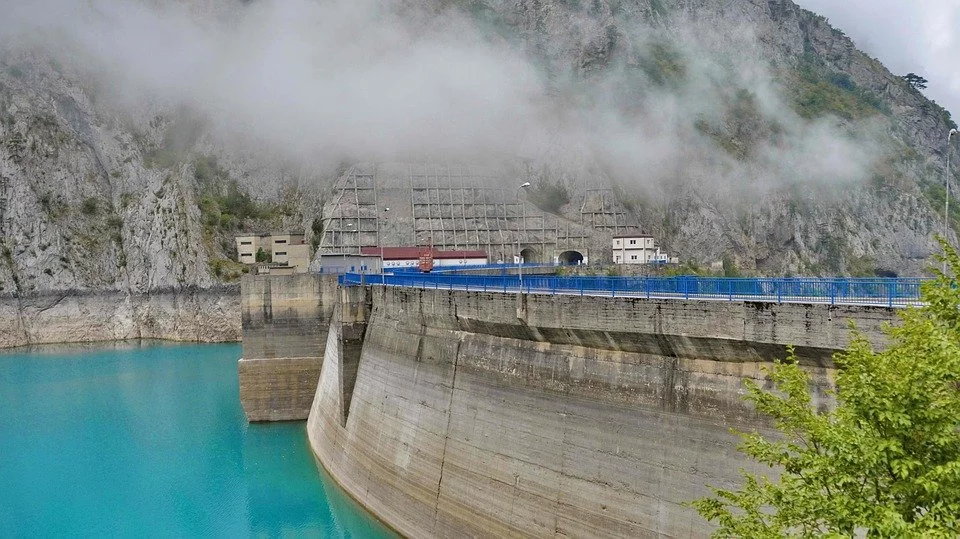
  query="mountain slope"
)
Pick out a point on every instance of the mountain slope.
point(727, 128)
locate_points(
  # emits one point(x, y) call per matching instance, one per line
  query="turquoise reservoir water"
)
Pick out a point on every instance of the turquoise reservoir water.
point(148, 439)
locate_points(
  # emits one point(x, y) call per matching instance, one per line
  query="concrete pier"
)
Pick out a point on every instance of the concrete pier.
point(285, 322)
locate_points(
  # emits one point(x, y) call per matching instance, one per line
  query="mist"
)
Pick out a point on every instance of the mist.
point(362, 80)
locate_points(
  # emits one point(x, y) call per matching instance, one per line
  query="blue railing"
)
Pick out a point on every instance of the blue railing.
point(889, 292)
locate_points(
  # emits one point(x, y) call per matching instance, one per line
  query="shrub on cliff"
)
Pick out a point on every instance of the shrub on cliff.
point(885, 461)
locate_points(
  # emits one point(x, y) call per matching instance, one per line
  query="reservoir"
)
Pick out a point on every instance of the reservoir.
point(148, 439)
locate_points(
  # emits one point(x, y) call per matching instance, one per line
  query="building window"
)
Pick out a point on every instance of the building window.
point(246, 243)
point(633, 242)
point(633, 257)
point(280, 241)
point(280, 253)
point(246, 254)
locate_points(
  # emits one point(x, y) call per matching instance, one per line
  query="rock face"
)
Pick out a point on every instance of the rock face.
point(749, 130)
point(204, 315)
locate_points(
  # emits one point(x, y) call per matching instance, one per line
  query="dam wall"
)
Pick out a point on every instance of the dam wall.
point(285, 321)
point(487, 414)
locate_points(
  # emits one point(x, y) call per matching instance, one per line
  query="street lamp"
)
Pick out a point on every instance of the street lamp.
point(385, 211)
point(946, 204)
point(523, 185)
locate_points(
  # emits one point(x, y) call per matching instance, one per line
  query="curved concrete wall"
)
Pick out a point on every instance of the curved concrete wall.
point(491, 415)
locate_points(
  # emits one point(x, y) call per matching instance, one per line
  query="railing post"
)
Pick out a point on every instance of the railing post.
point(730, 289)
point(686, 288)
point(890, 287)
point(833, 292)
point(776, 285)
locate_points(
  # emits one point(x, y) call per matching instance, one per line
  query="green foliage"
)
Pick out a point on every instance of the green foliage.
point(263, 256)
point(90, 207)
point(947, 119)
point(818, 91)
point(664, 65)
point(730, 268)
point(680, 270)
point(885, 461)
point(223, 204)
point(549, 197)
point(228, 270)
point(916, 81)
point(317, 228)
point(936, 193)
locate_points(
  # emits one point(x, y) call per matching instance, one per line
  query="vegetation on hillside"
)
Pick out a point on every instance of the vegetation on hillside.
point(817, 90)
point(885, 461)
point(226, 209)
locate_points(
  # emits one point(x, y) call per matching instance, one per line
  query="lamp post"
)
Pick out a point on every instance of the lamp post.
point(380, 238)
point(523, 185)
point(946, 204)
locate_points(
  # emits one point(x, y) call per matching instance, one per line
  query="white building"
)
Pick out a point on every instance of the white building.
point(638, 249)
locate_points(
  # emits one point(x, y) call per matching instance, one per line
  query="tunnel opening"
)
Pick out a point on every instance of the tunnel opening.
point(529, 256)
point(570, 258)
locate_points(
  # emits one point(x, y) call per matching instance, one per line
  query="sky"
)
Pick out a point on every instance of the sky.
point(919, 36)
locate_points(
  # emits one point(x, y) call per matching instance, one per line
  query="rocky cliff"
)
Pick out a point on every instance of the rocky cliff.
point(747, 129)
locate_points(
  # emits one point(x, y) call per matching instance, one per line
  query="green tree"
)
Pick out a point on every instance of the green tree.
point(885, 461)
point(263, 256)
point(916, 81)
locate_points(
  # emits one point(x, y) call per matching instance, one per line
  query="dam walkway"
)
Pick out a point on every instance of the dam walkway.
point(888, 292)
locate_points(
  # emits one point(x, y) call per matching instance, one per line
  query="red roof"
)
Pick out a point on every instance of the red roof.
point(413, 253)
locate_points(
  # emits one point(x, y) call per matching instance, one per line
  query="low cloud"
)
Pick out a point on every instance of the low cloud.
point(368, 80)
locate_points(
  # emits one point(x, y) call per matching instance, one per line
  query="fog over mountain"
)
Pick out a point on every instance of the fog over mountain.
point(423, 82)
point(139, 137)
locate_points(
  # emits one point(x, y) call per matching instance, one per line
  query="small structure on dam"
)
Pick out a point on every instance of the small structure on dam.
point(451, 412)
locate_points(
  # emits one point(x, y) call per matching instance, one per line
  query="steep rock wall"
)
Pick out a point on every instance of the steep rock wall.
point(203, 315)
point(491, 415)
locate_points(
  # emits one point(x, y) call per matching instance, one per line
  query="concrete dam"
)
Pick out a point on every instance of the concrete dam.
point(469, 413)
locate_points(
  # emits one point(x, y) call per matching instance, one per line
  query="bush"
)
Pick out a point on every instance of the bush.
point(818, 91)
point(90, 207)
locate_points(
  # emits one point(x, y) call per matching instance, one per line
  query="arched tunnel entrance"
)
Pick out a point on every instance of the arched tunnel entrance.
point(529, 256)
point(570, 258)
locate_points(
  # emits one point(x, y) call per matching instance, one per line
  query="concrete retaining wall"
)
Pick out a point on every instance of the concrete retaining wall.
point(285, 321)
point(492, 415)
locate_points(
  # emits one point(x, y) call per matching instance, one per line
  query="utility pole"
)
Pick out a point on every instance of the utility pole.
point(946, 204)
point(524, 185)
